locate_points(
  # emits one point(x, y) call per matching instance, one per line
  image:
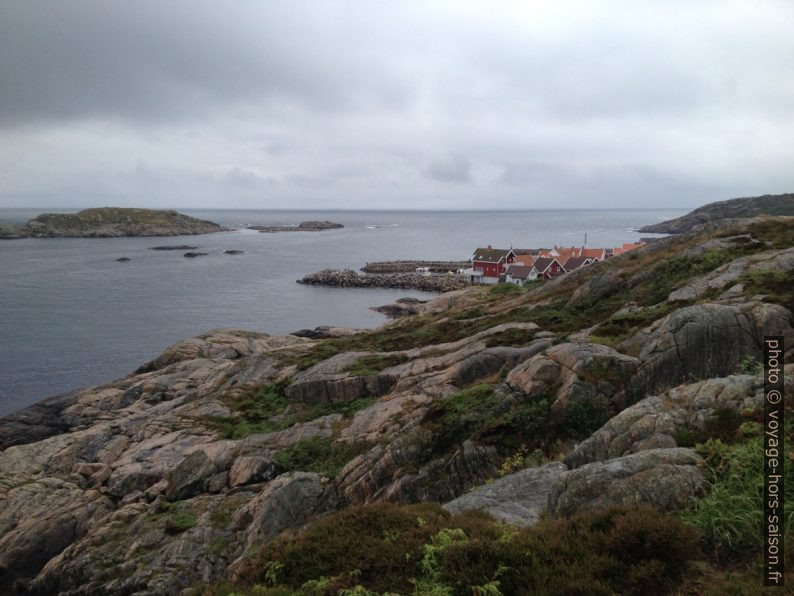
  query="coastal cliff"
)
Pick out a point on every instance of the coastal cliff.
point(109, 222)
point(571, 433)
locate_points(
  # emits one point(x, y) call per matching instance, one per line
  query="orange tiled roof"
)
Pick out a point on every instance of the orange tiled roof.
point(593, 253)
point(527, 260)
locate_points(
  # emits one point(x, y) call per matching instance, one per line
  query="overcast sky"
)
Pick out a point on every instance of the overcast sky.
point(370, 104)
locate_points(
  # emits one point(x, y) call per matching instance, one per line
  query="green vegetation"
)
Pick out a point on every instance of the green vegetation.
point(389, 548)
point(509, 423)
point(180, 522)
point(373, 364)
point(673, 272)
point(777, 286)
point(779, 234)
point(321, 455)
point(470, 313)
point(322, 351)
point(726, 425)
point(620, 326)
point(731, 514)
point(267, 409)
point(516, 338)
point(504, 289)
point(750, 366)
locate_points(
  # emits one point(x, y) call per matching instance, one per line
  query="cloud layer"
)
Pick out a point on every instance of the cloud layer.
point(394, 105)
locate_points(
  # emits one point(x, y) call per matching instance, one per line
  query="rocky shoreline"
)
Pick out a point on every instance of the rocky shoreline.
point(347, 278)
point(587, 393)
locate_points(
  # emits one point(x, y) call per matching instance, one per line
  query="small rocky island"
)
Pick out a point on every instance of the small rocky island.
point(110, 222)
point(304, 226)
point(730, 209)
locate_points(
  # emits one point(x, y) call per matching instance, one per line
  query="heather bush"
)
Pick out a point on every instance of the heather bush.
point(389, 548)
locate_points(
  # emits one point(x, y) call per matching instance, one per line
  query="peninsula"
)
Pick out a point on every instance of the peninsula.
point(601, 428)
point(732, 208)
point(110, 222)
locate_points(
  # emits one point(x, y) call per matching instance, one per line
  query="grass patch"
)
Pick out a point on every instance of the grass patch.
point(779, 234)
point(267, 410)
point(508, 422)
point(777, 286)
point(516, 338)
point(180, 522)
point(470, 313)
point(620, 326)
point(371, 365)
point(320, 455)
point(504, 289)
point(674, 272)
point(322, 351)
point(423, 549)
point(731, 515)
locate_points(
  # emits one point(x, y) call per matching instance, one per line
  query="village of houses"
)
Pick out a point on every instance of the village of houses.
point(494, 265)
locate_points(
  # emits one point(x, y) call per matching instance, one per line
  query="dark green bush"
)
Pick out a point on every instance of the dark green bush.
point(374, 363)
point(180, 522)
point(723, 424)
point(321, 455)
point(421, 548)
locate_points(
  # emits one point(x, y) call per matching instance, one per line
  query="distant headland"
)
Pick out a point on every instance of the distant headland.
point(110, 222)
point(733, 208)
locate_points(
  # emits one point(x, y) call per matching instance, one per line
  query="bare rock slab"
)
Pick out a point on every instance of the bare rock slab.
point(519, 498)
point(666, 479)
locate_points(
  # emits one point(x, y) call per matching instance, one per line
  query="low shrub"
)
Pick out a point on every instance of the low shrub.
point(483, 413)
point(180, 522)
point(423, 549)
point(723, 424)
point(321, 455)
point(374, 363)
point(267, 410)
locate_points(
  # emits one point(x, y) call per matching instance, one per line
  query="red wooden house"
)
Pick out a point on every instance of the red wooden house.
point(546, 267)
point(488, 264)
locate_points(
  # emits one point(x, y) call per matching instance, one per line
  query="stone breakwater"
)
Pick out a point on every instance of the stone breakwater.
point(347, 278)
point(411, 266)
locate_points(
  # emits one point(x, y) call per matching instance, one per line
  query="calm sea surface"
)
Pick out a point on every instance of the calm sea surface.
point(71, 316)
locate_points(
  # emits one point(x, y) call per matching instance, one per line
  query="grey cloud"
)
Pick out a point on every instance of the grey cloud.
point(170, 60)
point(456, 168)
point(410, 104)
